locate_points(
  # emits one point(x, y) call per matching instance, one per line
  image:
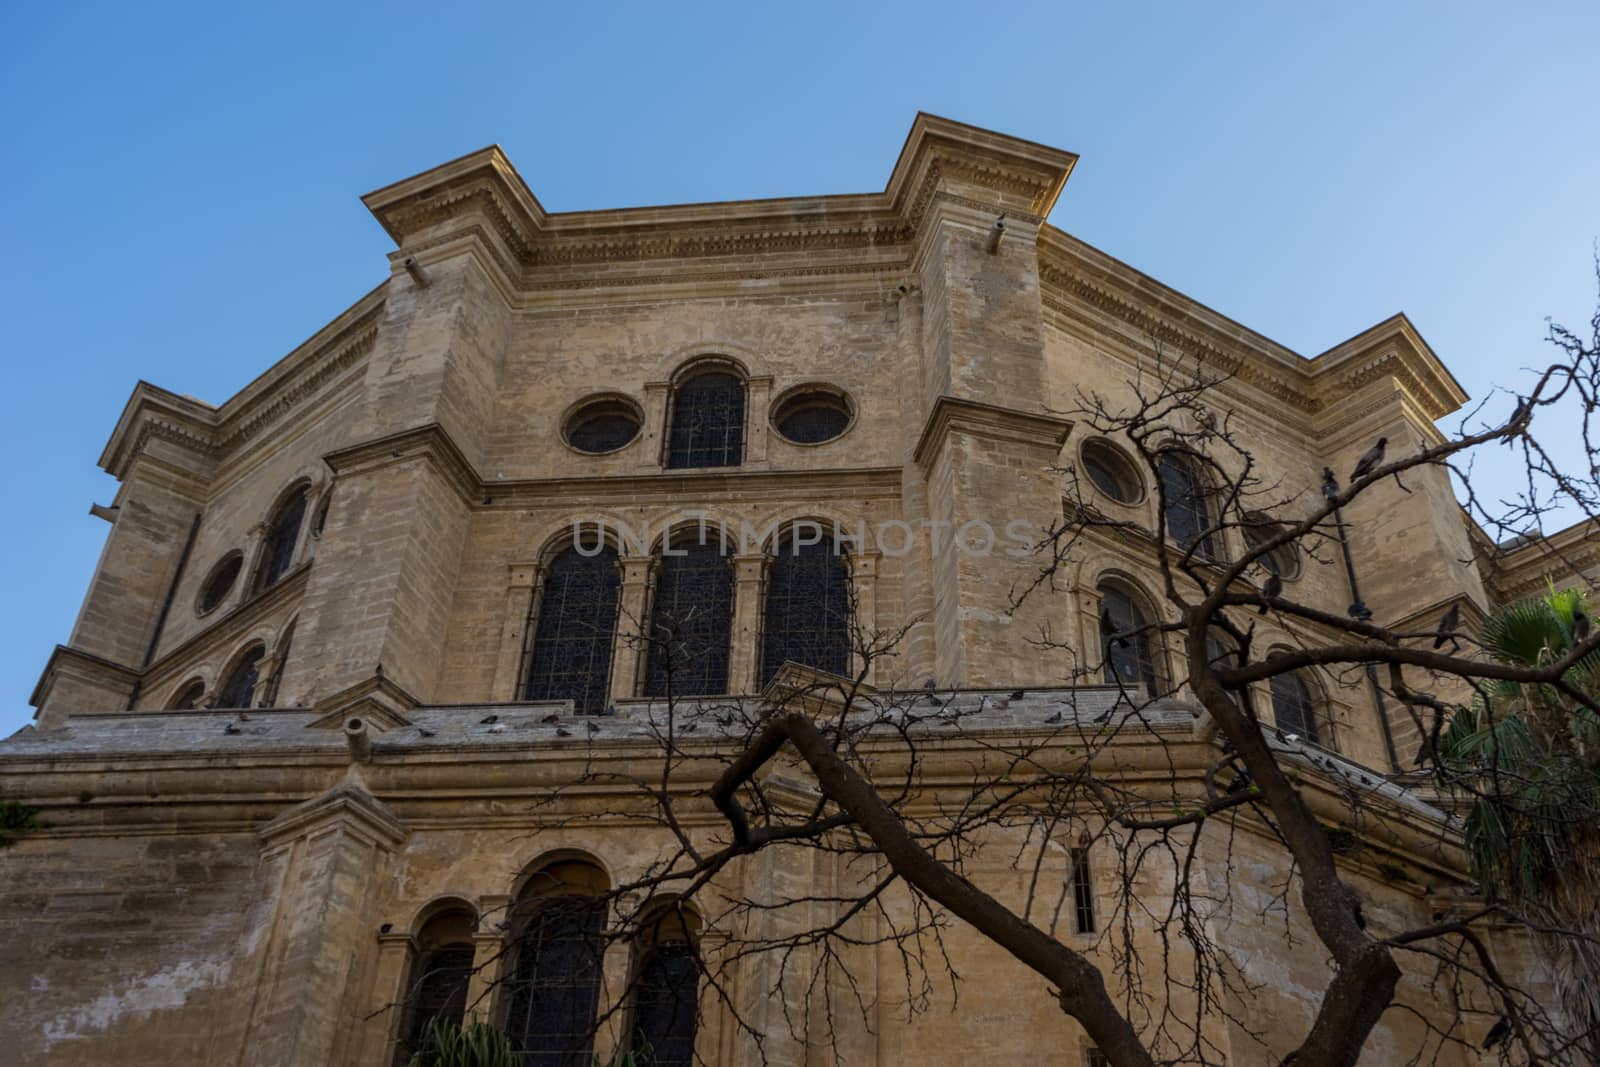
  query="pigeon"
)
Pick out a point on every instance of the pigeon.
point(1108, 629)
point(1018, 694)
point(498, 728)
point(689, 727)
point(424, 731)
point(551, 719)
point(1330, 484)
point(593, 727)
point(933, 701)
point(1053, 718)
point(562, 731)
point(231, 728)
point(1271, 589)
point(243, 717)
point(378, 670)
point(1369, 460)
point(1497, 1033)
point(930, 684)
point(488, 720)
point(1580, 625)
point(1447, 626)
point(1518, 421)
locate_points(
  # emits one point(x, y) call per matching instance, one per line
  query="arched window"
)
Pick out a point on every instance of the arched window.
point(437, 986)
point(554, 991)
point(1130, 649)
point(1187, 502)
point(240, 688)
point(665, 991)
point(283, 531)
point(807, 616)
point(1294, 708)
point(188, 697)
point(707, 421)
point(691, 619)
point(569, 655)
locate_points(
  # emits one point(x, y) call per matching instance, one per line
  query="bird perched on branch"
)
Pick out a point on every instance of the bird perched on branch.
point(1271, 589)
point(1497, 1033)
point(1580, 625)
point(1330, 484)
point(1518, 421)
point(1108, 630)
point(1447, 628)
point(1370, 459)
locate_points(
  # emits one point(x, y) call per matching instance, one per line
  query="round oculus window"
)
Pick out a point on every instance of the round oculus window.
point(219, 583)
point(603, 425)
point(812, 416)
point(1111, 472)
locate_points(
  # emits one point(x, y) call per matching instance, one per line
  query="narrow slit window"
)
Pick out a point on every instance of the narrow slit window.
point(1082, 892)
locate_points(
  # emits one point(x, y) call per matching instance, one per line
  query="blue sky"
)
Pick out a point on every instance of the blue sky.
point(182, 182)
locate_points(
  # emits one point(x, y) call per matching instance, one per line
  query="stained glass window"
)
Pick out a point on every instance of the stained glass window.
point(603, 426)
point(807, 616)
point(707, 422)
point(569, 655)
point(277, 550)
point(691, 621)
point(1188, 511)
point(555, 986)
point(1129, 651)
point(813, 417)
point(1293, 708)
point(240, 688)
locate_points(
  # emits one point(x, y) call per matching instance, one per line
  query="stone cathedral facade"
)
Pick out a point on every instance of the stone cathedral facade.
point(342, 631)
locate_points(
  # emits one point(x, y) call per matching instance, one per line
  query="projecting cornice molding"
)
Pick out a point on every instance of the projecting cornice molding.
point(954, 415)
point(1081, 282)
point(484, 193)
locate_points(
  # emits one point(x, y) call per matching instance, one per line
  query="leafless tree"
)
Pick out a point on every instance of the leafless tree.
point(899, 789)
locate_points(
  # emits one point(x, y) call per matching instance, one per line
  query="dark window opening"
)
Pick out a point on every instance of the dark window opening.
point(1129, 650)
point(813, 417)
point(603, 426)
point(1110, 471)
point(807, 616)
point(555, 987)
point(1188, 508)
point(219, 583)
point(707, 422)
point(189, 696)
point(691, 621)
point(1293, 708)
point(569, 655)
point(240, 688)
point(439, 992)
point(665, 1006)
point(1082, 892)
point(277, 551)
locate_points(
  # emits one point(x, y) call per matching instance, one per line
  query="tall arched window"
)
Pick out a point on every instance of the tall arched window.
point(665, 991)
point(239, 689)
point(569, 654)
point(1294, 708)
point(707, 421)
point(554, 991)
point(437, 985)
point(1187, 501)
point(283, 531)
point(1130, 649)
point(807, 615)
point(691, 619)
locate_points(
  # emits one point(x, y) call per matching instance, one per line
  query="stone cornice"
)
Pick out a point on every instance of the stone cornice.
point(213, 434)
point(345, 806)
point(1523, 569)
point(431, 442)
point(1076, 275)
point(953, 414)
point(67, 660)
point(483, 191)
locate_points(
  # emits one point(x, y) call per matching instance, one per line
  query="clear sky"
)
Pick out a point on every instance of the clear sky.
point(181, 182)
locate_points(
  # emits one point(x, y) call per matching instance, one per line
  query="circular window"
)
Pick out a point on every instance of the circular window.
point(1284, 561)
point(219, 583)
point(603, 424)
point(811, 415)
point(1111, 471)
